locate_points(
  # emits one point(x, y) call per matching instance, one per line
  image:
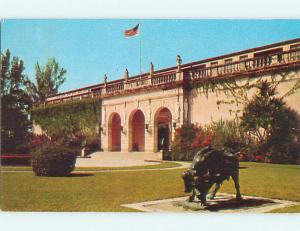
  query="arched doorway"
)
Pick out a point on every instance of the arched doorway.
point(137, 131)
point(114, 132)
point(162, 129)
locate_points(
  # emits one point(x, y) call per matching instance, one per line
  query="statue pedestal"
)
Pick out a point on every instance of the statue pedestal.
point(195, 206)
point(225, 203)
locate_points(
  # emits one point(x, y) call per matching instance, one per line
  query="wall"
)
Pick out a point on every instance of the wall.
point(149, 103)
point(204, 108)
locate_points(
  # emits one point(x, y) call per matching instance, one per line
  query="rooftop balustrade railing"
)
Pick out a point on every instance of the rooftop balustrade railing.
point(246, 65)
point(158, 79)
point(114, 88)
point(137, 83)
point(163, 78)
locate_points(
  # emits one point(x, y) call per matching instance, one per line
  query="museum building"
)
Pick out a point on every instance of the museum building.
point(140, 113)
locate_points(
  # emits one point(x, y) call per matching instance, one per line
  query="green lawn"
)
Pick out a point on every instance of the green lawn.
point(106, 191)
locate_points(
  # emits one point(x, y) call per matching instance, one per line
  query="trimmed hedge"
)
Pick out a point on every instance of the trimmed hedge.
point(53, 160)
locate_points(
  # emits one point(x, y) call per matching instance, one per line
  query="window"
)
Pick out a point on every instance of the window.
point(268, 52)
point(295, 47)
point(243, 57)
point(213, 64)
point(227, 61)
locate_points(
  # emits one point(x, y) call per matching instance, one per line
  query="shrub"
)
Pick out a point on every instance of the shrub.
point(75, 141)
point(78, 141)
point(34, 141)
point(223, 134)
point(53, 159)
point(92, 144)
point(189, 138)
point(273, 124)
point(244, 156)
point(228, 135)
point(286, 154)
point(181, 148)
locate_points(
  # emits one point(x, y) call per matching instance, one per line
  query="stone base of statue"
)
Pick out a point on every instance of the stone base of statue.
point(225, 203)
point(219, 201)
point(194, 205)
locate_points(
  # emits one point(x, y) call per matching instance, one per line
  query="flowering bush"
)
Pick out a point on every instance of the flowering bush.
point(181, 148)
point(258, 158)
point(189, 138)
point(223, 134)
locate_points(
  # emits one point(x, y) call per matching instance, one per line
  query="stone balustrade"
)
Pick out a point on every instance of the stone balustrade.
point(138, 83)
point(164, 78)
point(246, 65)
point(174, 75)
point(114, 88)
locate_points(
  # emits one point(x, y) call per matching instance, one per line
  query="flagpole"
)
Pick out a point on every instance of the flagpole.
point(140, 50)
point(136, 31)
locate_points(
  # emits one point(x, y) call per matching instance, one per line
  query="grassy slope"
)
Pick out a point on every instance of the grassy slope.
point(107, 191)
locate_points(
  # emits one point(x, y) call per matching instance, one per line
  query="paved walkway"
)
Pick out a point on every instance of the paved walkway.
point(119, 159)
point(182, 166)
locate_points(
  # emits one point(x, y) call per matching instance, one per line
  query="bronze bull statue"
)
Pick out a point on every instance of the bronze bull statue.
point(211, 166)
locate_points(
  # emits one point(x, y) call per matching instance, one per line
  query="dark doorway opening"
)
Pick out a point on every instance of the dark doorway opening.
point(163, 137)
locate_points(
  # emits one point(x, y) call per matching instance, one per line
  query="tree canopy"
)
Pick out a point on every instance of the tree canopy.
point(15, 105)
point(18, 93)
point(48, 79)
point(267, 118)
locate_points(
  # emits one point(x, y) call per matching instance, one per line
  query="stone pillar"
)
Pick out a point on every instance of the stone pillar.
point(125, 131)
point(104, 130)
point(149, 137)
point(124, 138)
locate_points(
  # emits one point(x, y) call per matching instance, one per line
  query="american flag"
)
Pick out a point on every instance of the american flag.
point(132, 32)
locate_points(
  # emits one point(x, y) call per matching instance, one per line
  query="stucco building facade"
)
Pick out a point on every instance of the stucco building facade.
point(140, 113)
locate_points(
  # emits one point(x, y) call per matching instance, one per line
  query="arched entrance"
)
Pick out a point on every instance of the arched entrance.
point(114, 132)
point(162, 129)
point(137, 131)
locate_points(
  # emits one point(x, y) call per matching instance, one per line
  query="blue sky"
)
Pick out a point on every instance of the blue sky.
point(88, 49)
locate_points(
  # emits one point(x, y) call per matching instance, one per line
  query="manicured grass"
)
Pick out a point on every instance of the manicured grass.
point(87, 192)
point(268, 180)
point(106, 191)
point(15, 168)
point(156, 166)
